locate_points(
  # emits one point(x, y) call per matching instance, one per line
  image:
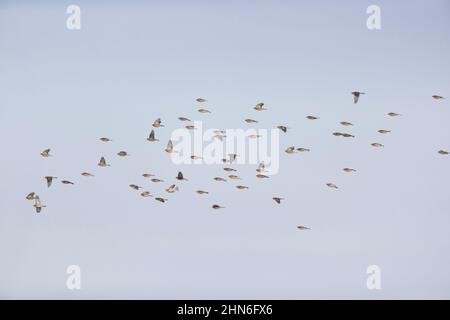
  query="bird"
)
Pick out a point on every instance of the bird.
point(173, 188)
point(356, 95)
point(303, 228)
point(151, 136)
point(242, 187)
point(148, 175)
point(201, 192)
point(122, 154)
point(233, 177)
point(277, 200)
point(290, 150)
point(146, 194)
point(332, 185)
point(443, 152)
point(204, 111)
point(105, 139)
point(437, 97)
point(283, 128)
point(349, 170)
point(201, 100)
point(161, 199)
point(216, 206)
point(193, 157)
point(232, 156)
point(346, 123)
point(157, 123)
point(67, 182)
point(156, 180)
point(337, 134)
point(135, 187)
point(180, 176)
point(261, 176)
point(37, 204)
point(303, 150)
point(30, 196)
point(393, 114)
point(347, 135)
point(103, 163)
point(260, 107)
point(49, 180)
point(312, 118)
point(261, 167)
point(382, 131)
point(248, 120)
point(190, 127)
point(87, 174)
point(184, 119)
point(220, 179)
point(377, 145)
point(229, 169)
point(46, 153)
point(169, 148)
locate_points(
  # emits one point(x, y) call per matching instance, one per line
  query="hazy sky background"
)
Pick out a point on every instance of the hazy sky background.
point(133, 62)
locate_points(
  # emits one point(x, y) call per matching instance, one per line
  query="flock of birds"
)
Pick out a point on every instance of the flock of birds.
point(219, 134)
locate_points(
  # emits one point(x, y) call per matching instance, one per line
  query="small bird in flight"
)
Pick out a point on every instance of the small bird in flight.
point(49, 180)
point(356, 95)
point(261, 176)
point(377, 145)
point(290, 150)
point(148, 175)
point(37, 204)
point(46, 153)
point(303, 228)
point(303, 150)
point(184, 119)
point(220, 179)
point(332, 185)
point(146, 194)
point(204, 111)
point(30, 196)
point(103, 163)
point(180, 176)
point(382, 131)
point(200, 100)
point(156, 180)
point(349, 170)
point(260, 107)
point(151, 136)
point(216, 206)
point(157, 123)
point(190, 127)
point(173, 188)
point(277, 200)
point(122, 154)
point(135, 187)
point(443, 152)
point(201, 192)
point(437, 97)
point(229, 169)
point(283, 128)
point(234, 177)
point(242, 187)
point(104, 139)
point(393, 114)
point(196, 157)
point(312, 117)
point(169, 148)
point(346, 123)
point(261, 167)
point(87, 174)
point(67, 182)
point(161, 200)
point(248, 120)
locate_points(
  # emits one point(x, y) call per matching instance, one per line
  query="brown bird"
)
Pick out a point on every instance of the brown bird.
point(261, 176)
point(347, 135)
point(200, 100)
point(242, 187)
point(180, 176)
point(148, 175)
point(248, 120)
point(46, 153)
point(261, 167)
point(67, 182)
point(377, 145)
point(87, 174)
point(49, 180)
point(393, 114)
point(190, 127)
point(161, 200)
point(232, 157)
point(346, 123)
point(349, 170)
point(303, 228)
point(146, 194)
point(337, 134)
point(283, 128)
point(173, 188)
point(356, 95)
point(216, 206)
point(135, 187)
point(437, 97)
point(122, 154)
point(201, 192)
point(259, 107)
point(220, 179)
point(104, 139)
point(290, 150)
point(196, 158)
point(382, 131)
point(184, 119)
point(332, 185)
point(157, 123)
point(30, 196)
point(229, 169)
point(204, 111)
point(151, 136)
point(37, 204)
point(233, 177)
point(103, 163)
point(277, 200)
point(303, 150)
point(312, 117)
point(156, 180)
point(443, 152)
point(169, 148)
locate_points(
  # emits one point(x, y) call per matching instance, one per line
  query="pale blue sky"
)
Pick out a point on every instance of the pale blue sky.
point(133, 62)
